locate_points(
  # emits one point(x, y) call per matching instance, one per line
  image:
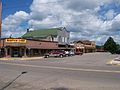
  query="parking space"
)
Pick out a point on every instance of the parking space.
point(87, 60)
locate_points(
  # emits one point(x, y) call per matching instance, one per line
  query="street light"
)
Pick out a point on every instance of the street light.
point(13, 80)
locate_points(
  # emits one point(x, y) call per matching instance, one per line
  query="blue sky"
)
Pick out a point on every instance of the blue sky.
point(94, 20)
point(11, 6)
point(106, 8)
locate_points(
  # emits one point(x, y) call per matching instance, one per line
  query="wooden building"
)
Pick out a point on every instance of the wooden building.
point(85, 46)
point(60, 35)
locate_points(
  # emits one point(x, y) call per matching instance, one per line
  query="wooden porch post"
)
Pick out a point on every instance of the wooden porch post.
point(25, 55)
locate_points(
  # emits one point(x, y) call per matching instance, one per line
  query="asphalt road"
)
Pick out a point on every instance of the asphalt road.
point(86, 72)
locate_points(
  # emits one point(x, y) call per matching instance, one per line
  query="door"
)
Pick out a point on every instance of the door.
point(15, 52)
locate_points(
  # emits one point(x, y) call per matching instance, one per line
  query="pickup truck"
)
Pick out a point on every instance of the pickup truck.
point(58, 53)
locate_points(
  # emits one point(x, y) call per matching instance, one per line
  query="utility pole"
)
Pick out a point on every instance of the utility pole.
point(0, 21)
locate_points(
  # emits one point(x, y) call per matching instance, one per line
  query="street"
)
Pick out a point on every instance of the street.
point(86, 72)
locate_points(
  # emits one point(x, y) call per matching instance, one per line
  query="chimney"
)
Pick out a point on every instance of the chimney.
point(27, 30)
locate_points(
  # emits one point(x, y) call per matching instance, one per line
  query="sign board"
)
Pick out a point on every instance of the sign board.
point(13, 40)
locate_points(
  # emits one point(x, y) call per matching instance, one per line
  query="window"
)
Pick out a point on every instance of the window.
point(60, 39)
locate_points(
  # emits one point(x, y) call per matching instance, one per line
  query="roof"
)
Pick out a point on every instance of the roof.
point(83, 41)
point(31, 40)
point(41, 33)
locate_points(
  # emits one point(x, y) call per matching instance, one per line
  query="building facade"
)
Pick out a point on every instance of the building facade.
point(35, 43)
point(19, 47)
point(85, 46)
point(60, 35)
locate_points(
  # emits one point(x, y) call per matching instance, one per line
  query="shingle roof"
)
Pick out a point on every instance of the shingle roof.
point(41, 33)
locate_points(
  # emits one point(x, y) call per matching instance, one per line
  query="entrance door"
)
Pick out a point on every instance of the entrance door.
point(15, 52)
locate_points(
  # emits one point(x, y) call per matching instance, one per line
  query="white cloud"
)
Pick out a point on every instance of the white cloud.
point(116, 23)
point(47, 22)
point(13, 21)
point(79, 5)
point(16, 33)
point(110, 14)
point(79, 16)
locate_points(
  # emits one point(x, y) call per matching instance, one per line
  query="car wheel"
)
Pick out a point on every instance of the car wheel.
point(46, 56)
point(61, 56)
point(67, 55)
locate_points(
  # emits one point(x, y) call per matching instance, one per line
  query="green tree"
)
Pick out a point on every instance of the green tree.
point(118, 46)
point(110, 45)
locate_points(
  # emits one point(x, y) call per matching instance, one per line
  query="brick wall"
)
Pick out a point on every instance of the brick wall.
point(41, 44)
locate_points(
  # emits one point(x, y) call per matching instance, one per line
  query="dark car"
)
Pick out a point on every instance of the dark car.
point(118, 51)
point(56, 53)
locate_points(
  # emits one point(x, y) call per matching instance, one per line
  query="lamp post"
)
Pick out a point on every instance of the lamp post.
point(13, 80)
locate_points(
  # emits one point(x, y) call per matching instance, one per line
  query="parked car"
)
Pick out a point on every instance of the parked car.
point(57, 53)
point(116, 61)
point(67, 53)
point(71, 53)
point(78, 53)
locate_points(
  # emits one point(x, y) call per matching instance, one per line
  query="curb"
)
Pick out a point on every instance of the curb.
point(34, 58)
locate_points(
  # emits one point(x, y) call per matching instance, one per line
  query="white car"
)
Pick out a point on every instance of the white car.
point(116, 61)
point(71, 53)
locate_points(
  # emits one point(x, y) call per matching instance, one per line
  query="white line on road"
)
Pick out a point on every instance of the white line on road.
point(63, 68)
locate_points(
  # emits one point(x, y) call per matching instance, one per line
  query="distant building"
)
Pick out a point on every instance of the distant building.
point(99, 48)
point(60, 35)
point(85, 46)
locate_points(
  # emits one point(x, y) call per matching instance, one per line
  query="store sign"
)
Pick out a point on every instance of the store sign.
point(15, 40)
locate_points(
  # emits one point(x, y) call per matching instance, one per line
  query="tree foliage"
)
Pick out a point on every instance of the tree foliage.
point(110, 45)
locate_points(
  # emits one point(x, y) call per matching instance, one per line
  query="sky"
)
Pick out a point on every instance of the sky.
point(94, 20)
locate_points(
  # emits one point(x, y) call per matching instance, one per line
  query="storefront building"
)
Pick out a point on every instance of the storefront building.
point(36, 43)
point(19, 47)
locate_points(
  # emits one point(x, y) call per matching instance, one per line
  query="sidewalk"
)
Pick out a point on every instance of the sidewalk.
point(27, 58)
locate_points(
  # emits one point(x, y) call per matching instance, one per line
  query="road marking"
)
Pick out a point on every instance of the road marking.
point(63, 68)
